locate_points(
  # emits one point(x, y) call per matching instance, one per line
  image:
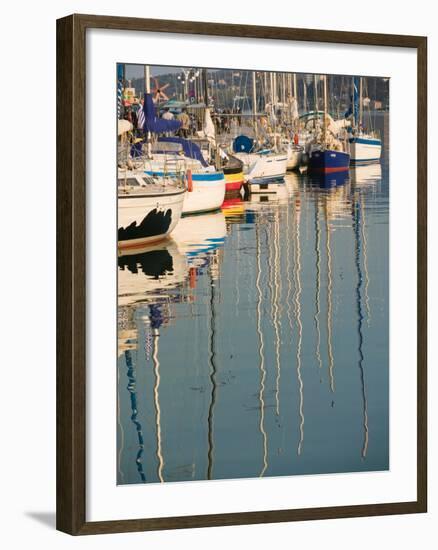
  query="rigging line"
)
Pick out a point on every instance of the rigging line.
point(356, 223)
point(156, 362)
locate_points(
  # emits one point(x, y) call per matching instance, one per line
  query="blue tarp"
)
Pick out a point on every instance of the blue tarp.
point(353, 109)
point(190, 149)
point(154, 124)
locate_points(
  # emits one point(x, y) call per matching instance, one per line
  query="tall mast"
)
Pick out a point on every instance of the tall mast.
point(254, 102)
point(360, 101)
point(147, 80)
point(205, 82)
point(325, 109)
point(315, 93)
point(305, 94)
point(353, 103)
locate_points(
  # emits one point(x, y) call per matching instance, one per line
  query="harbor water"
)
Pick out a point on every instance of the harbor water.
point(255, 341)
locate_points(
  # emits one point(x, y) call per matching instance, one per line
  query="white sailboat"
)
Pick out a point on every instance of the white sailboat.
point(173, 156)
point(364, 147)
point(263, 169)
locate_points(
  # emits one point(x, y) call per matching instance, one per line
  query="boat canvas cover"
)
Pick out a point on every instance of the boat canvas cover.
point(154, 124)
point(189, 148)
point(353, 109)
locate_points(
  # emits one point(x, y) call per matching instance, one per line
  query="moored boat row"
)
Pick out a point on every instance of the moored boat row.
point(164, 174)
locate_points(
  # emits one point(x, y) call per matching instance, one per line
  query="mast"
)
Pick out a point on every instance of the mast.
point(305, 94)
point(205, 82)
point(147, 80)
point(325, 110)
point(360, 101)
point(315, 93)
point(353, 103)
point(254, 103)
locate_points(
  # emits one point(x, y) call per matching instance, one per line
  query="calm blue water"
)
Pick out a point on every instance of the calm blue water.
point(255, 342)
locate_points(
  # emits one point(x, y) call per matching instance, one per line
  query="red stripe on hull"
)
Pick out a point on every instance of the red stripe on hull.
point(330, 169)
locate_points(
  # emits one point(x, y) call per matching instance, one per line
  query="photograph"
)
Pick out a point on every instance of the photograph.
point(253, 273)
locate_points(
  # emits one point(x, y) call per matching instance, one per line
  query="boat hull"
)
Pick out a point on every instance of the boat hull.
point(207, 195)
point(294, 156)
point(263, 168)
point(147, 218)
point(365, 150)
point(328, 161)
point(233, 182)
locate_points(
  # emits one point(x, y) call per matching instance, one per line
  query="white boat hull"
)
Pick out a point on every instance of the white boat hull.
point(207, 194)
point(208, 189)
point(294, 158)
point(263, 168)
point(147, 217)
point(365, 150)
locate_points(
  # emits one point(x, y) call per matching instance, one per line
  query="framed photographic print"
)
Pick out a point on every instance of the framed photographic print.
point(241, 274)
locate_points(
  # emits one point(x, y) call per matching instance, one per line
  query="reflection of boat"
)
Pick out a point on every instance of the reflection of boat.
point(368, 174)
point(281, 194)
point(199, 235)
point(233, 209)
point(148, 209)
point(327, 181)
point(150, 272)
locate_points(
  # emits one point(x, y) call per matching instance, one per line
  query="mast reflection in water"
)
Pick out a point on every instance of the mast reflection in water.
point(254, 342)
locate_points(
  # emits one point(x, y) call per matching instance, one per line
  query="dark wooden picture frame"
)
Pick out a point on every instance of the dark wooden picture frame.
point(71, 271)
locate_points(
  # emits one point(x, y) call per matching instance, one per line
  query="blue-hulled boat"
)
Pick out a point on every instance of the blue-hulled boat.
point(327, 154)
point(327, 161)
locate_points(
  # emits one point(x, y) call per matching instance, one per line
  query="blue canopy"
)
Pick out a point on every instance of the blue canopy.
point(190, 149)
point(154, 124)
point(353, 109)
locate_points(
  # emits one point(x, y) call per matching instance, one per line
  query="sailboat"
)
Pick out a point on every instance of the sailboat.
point(364, 147)
point(263, 168)
point(148, 208)
point(327, 153)
point(175, 155)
